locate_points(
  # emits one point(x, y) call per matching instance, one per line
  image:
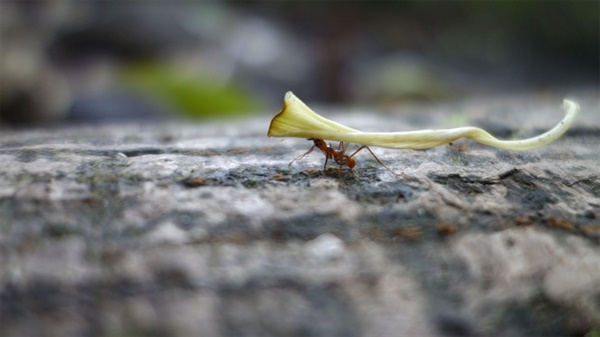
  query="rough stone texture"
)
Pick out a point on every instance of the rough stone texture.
point(204, 230)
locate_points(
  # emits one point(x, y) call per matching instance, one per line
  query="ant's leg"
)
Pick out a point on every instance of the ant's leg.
point(358, 150)
point(302, 155)
point(342, 146)
point(337, 160)
point(374, 156)
point(325, 165)
point(380, 162)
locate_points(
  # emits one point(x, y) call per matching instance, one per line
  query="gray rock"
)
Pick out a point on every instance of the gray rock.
point(181, 230)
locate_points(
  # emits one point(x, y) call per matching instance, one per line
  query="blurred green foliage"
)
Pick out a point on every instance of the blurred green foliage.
point(188, 93)
point(595, 332)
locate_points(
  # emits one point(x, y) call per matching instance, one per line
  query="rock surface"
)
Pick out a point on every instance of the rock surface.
point(204, 230)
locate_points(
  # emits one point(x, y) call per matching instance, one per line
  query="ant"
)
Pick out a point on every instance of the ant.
point(339, 155)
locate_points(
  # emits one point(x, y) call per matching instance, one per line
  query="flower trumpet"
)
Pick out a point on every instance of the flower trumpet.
point(296, 119)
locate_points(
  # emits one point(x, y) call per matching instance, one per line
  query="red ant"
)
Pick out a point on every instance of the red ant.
point(339, 155)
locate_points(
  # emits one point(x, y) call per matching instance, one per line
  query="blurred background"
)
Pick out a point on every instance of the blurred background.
point(108, 61)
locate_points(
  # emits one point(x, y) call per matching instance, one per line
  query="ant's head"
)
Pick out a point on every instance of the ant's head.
point(320, 143)
point(350, 162)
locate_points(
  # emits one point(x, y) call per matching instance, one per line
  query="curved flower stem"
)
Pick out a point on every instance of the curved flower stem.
point(296, 119)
